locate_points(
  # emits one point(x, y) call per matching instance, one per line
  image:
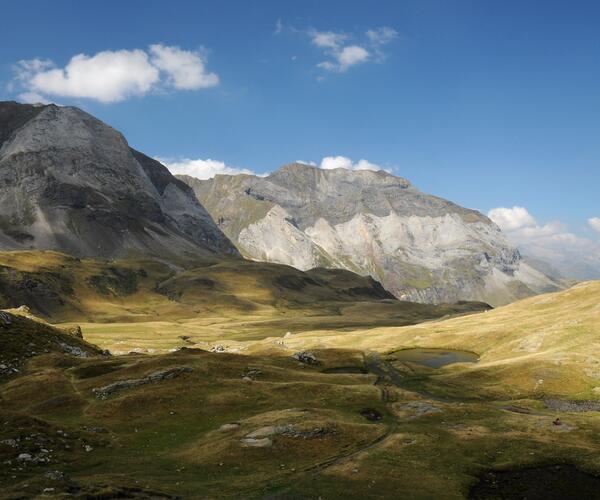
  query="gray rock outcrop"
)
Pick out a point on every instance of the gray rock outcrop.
point(69, 182)
point(420, 247)
point(121, 385)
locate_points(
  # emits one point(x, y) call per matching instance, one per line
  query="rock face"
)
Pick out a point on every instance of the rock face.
point(420, 247)
point(71, 183)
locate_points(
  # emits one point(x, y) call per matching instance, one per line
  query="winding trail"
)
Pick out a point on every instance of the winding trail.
point(374, 364)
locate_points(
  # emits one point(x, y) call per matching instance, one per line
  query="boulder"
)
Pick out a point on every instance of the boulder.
point(306, 357)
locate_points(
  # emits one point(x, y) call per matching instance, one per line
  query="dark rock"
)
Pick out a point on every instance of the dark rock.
point(371, 414)
point(306, 357)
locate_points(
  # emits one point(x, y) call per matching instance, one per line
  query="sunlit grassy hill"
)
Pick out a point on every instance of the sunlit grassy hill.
point(549, 344)
point(151, 304)
point(357, 424)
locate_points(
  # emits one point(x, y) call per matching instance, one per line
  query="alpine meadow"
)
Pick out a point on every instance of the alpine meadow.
point(299, 250)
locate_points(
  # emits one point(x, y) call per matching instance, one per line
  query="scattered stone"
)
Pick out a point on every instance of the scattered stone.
point(5, 318)
point(270, 430)
point(229, 427)
point(96, 430)
point(24, 457)
point(306, 357)
point(251, 373)
point(55, 475)
point(517, 409)
point(576, 406)
point(73, 350)
point(420, 408)
point(76, 332)
point(315, 433)
point(88, 448)
point(104, 392)
point(256, 443)
point(246, 379)
point(371, 414)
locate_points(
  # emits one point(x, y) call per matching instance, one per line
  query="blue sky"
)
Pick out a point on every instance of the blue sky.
point(487, 103)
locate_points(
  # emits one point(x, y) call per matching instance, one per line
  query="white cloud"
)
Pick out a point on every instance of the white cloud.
point(522, 228)
point(574, 255)
point(206, 169)
point(343, 56)
point(331, 162)
point(509, 219)
point(185, 69)
point(33, 98)
point(201, 169)
point(327, 39)
point(351, 55)
point(112, 76)
point(594, 223)
point(278, 27)
point(381, 36)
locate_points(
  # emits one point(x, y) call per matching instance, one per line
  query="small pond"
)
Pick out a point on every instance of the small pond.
point(435, 358)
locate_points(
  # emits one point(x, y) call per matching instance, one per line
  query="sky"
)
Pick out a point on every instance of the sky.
point(493, 105)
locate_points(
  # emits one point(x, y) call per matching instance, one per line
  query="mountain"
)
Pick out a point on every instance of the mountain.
point(420, 247)
point(71, 183)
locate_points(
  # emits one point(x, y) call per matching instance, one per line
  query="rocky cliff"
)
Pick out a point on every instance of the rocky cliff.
point(420, 247)
point(71, 183)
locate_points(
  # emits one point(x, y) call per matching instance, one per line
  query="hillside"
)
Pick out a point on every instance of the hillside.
point(540, 346)
point(142, 302)
point(22, 337)
point(71, 183)
point(420, 247)
point(337, 422)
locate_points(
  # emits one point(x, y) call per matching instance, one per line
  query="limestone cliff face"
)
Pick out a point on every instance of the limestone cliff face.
point(71, 183)
point(420, 247)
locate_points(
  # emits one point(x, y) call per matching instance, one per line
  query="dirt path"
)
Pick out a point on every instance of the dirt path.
point(373, 363)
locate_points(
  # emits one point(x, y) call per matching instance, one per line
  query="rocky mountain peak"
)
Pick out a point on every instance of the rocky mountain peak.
point(314, 176)
point(70, 182)
point(420, 247)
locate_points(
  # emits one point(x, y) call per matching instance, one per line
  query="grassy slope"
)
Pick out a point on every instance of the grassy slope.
point(142, 303)
point(551, 337)
point(22, 338)
point(165, 436)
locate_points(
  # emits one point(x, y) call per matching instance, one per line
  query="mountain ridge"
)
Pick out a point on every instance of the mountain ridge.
point(421, 247)
point(72, 183)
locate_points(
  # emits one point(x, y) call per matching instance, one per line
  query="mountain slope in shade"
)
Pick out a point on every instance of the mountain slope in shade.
point(420, 247)
point(71, 183)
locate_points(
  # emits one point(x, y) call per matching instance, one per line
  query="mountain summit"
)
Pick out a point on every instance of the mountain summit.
point(71, 183)
point(420, 247)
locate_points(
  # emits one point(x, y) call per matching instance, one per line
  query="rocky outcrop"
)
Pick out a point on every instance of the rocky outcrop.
point(25, 337)
point(420, 247)
point(71, 183)
point(121, 385)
